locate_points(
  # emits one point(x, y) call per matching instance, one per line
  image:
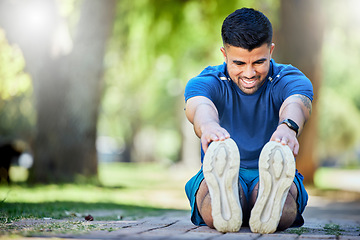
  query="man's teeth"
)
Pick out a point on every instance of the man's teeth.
point(247, 81)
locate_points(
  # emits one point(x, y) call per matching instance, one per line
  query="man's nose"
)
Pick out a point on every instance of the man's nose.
point(249, 72)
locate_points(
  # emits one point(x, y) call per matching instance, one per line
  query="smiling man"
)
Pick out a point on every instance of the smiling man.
point(248, 113)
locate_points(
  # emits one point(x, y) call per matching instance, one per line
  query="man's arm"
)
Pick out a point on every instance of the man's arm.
point(202, 113)
point(297, 108)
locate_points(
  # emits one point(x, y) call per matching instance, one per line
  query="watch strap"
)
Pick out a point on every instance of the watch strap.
point(291, 124)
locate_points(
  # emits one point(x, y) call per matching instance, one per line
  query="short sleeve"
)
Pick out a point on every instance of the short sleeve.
point(206, 86)
point(290, 81)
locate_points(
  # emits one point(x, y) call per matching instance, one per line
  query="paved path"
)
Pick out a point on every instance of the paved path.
point(180, 228)
point(324, 219)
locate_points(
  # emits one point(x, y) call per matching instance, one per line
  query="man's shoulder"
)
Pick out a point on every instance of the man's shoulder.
point(285, 71)
point(217, 72)
point(212, 82)
point(287, 79)
point(282, 69)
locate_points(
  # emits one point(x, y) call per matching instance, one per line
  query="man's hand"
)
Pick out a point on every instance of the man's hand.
point(286, 136)
point(212, 131)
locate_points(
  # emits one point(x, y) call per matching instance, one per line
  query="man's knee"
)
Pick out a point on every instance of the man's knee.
point(203, 203)
point(290, 209)
point(289, 212)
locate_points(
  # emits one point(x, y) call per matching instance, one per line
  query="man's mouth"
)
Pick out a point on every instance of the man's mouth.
point(248, 82)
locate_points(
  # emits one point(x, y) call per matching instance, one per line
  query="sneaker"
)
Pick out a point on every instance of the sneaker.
point(221, 172)
point(276, 173)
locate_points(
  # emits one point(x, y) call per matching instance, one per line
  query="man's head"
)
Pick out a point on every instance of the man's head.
point(246, 28)
point(247, 37)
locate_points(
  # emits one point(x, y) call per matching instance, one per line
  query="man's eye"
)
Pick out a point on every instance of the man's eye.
point(259, 62)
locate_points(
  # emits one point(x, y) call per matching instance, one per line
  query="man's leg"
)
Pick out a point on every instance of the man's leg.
point(276, 176)
point(289, 211)
point(203, 203)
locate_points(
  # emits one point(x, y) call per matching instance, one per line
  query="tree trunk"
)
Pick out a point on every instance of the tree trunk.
point(67, 87)
point(300, 40)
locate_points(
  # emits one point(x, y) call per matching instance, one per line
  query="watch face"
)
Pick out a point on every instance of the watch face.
point(289, 125)
point(293, 124)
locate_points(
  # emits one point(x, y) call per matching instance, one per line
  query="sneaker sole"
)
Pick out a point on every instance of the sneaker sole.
point(221, 171)
point(276, 173)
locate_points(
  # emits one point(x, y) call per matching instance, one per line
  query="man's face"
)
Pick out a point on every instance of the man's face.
point(248, 69)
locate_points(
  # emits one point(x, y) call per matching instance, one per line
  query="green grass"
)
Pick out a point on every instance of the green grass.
point(127, 191)
point(298, 231)
point(333, 229)
point(337, 179)
point(121, 183)
point(64, 227)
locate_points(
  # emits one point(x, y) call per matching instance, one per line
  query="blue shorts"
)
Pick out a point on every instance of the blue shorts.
point(248, 178)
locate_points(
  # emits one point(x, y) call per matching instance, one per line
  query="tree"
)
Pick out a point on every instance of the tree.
point(66, 77)
point(300, 39)
point(156, 48)
point(339, 103)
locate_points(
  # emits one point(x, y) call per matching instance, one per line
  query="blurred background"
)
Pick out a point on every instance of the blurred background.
point(92, 86)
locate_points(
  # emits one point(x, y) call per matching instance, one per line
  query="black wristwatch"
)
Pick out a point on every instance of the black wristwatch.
point(291, 124)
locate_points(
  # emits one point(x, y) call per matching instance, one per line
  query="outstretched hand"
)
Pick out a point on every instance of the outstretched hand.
point(212, 132)
point(286, 136)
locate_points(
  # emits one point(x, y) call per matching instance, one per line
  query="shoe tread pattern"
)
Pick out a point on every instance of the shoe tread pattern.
point(221, 170)
point(276, 173)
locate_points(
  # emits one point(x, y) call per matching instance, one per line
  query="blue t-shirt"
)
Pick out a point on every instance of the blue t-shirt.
point(250, 119)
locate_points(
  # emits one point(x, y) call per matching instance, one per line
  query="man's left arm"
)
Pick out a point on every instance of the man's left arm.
point(298, 109)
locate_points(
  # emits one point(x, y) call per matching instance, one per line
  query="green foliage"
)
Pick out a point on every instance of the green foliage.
point(339, 103)
point(157, 46)
point(340, 117)
point(16, 108)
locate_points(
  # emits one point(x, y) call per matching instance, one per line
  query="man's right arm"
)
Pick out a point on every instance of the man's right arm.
point(202, 113)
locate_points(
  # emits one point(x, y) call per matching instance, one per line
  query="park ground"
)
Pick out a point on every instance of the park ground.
point(147, 201)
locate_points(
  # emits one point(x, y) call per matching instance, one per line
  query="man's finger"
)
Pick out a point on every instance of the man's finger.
point(296, 150)
point(208, 139)
point(213, 137)
point(284, 141)
point(204, 144)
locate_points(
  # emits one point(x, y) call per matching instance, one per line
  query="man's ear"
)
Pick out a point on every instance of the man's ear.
point(222, 49)
point(272, 48)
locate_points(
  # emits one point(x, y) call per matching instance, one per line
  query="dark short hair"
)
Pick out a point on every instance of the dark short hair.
point(246, 28)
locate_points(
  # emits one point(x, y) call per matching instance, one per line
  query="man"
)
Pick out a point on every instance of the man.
point(253, 109)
